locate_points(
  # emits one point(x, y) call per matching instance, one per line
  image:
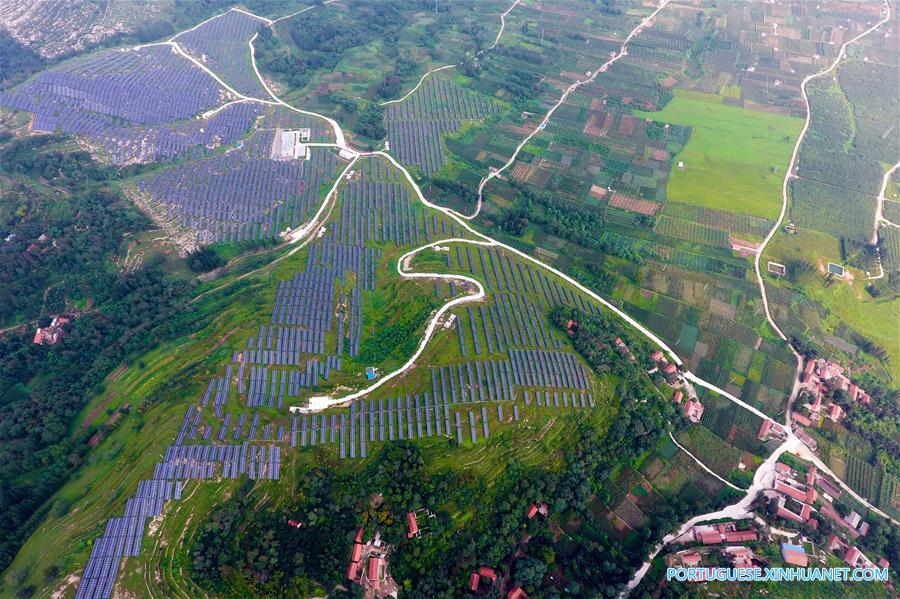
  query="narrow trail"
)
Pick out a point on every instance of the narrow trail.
point(785, 202)
point(419, 84)
point(454, 65)
point(623, 51)
point(702, 465)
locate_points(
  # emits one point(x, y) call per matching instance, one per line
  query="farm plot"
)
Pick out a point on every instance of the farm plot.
point(733, 425)
point(222, 45)
point(241, 194)
point(709, 226)
point(750, 148)
point(864, 478)
point(416, 126)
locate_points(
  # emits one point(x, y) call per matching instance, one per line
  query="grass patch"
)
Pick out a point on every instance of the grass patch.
point(752, 147)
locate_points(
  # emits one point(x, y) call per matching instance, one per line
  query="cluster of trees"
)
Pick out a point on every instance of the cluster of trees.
point(392, 83)
point(18, 63)
point(465, 193)
point(61, 226)
point(370, 123)
point(568, 221)
point(43, 387)
point(205, 259)
point(324, 35)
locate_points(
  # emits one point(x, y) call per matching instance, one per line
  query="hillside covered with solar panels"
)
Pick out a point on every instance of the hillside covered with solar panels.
point(373, 298)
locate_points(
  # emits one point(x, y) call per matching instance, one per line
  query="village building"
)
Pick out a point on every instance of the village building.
point(691, 560)
point(770, 428)
point(412, 526)
point(537, 508)
point(483, 573)
point(693, 410)
point(474, 580)
point(857, 559)
point(723, 533)
point(52, 334)
point(794, 555)
point(741, 557)
point(517, 593)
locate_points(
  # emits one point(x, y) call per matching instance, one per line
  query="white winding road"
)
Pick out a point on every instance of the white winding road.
point(764, 474)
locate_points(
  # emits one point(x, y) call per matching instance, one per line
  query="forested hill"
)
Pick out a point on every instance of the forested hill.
point(59, 223)
point(62, 221)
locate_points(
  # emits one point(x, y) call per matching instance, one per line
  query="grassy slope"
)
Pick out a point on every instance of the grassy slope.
point(848, 301)
point(730, 155)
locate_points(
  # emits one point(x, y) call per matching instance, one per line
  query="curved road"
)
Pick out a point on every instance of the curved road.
point(785, 202)
point(764, 474)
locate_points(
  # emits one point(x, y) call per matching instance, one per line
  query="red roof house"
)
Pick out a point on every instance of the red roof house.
point(809, 370)
point(690, 560)
point(835, 412)
point(710, 538)
point(413, 526)
point(790, 491)
point(532, 511)
point(811, 476)
point(678, 396)
point(474, 579)
point(376, 565)
point(488, 573)
point(670, 369)
point(693, 410)
point(517, 593)
point(740, 536)
point(801, 419)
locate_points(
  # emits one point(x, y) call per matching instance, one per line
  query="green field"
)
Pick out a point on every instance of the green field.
point(752, 148)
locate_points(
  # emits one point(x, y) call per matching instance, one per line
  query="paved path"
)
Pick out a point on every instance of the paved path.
point(305, 234)
point(879, 209)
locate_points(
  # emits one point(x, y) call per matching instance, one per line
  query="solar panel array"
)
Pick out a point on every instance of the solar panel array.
point(123, 535)
point(410, 417)
point(241, 194)
point(147, 86)
point(221, 44)
point(416, 125)
point(133, 104)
